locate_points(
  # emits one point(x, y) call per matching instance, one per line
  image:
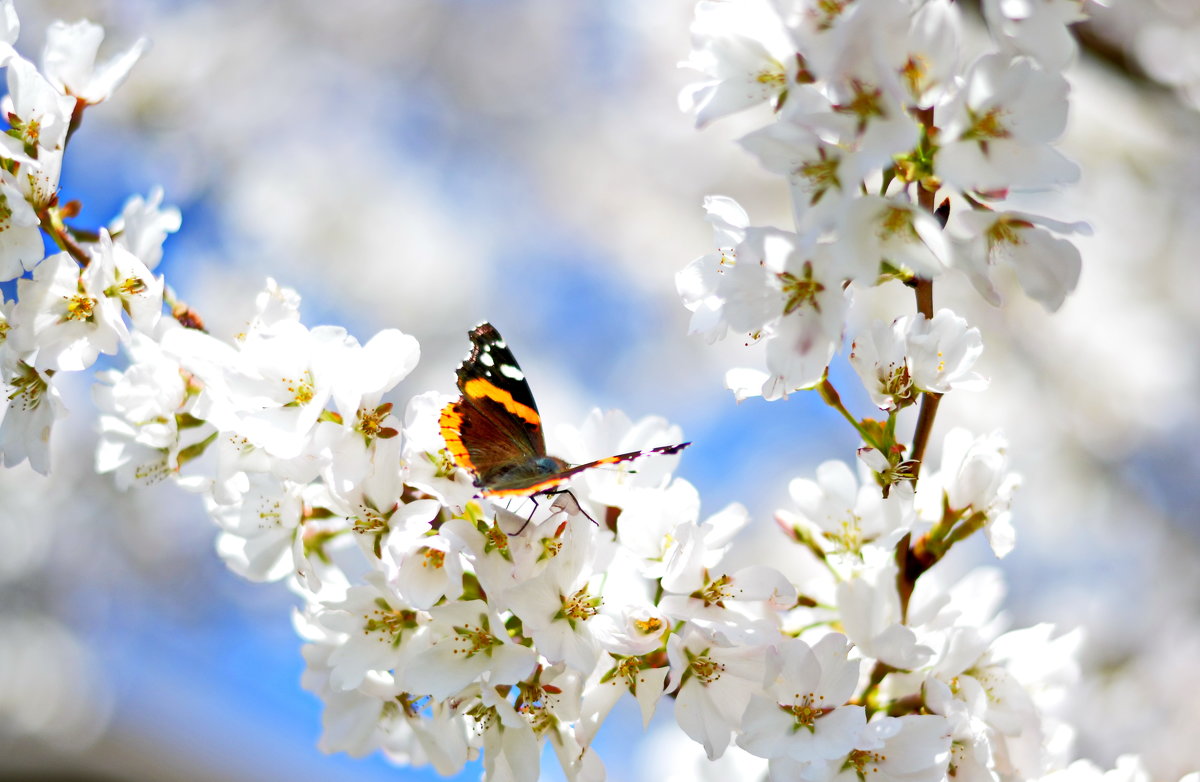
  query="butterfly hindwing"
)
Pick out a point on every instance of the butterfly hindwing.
point(546, 482)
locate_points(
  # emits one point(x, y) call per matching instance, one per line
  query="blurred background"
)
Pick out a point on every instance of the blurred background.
point(432, 163)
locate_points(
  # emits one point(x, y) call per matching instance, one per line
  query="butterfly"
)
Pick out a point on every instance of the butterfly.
point(494, 430)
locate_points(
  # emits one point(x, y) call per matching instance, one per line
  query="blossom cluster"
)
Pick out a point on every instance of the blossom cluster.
point(900, 147)
point(99, 288)
point(441, 627)
point(887, 134)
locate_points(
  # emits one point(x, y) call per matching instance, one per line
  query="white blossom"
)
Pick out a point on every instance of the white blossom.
point(1046, 266)
point(877, 230)
point(69, 61)
point(1038, 29)
point(10, 28)
point(38, 114)
point(20, 237)
point(713, 685)
point(804, 715)
point(129, 281)
point(65, 315)
point(913, 748)
point(143, 226)
point(613, 677)
point(845, 519)
point(942, 352)
point(33, 405)
point(975, 479)
point(870, 611)
point(700, 283)
point(140, 409)
point(466, 641)
point(745, 51)
point(377, 632)
point(559, 607)
point(999, 128)
point(259, 528)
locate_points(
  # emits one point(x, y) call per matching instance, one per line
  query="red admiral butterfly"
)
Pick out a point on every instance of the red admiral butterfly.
point(494, 430)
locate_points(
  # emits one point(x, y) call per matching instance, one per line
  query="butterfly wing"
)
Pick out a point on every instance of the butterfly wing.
point(548, 481)
point(494, 430)
point(494, 426)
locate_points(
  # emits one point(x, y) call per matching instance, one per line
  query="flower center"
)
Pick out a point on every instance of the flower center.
point(895, 380)
point(821, 174)
point(706, 669)
point(800, 290)
point(80, 307)
point(715, 592)
point(827, 12)
point(388, 622)
point(370, 521)
point(805, 711)
point(861, 761)
point(484, 716)
point(580, 606)
point(848, 537)
point(897, 223)
point(986, 126)
point(865, 104)
point(28, 387)
point(630, 670)
point(302, 391)
point(268, 513)
point(774, 76)
point(1005, 232)
point(914, 73)
point(434, 558)
point(370, 422)
point(132, 286)
point(474, 640)
point(534, 703)
point(497, 539)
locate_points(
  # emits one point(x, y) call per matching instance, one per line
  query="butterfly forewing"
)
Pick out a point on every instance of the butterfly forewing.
point(496, 422)
point(491, 360)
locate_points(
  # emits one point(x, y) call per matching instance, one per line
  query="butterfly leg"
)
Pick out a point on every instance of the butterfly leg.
point(578, 505)
point(527, 520)
point(536, 505)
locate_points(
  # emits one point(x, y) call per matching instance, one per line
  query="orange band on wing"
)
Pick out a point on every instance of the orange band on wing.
point(610, 460)
point(451, 423)
point(478, 387)
point(530, 490)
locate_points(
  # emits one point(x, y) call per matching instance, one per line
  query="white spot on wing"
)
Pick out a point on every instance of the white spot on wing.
point(486, 359)
point(511, 372)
